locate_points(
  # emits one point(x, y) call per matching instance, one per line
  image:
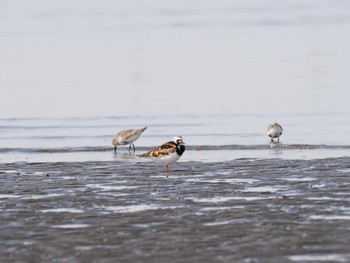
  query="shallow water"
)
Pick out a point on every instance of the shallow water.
point(246, 210)
point(208, 138)
point(232, 197)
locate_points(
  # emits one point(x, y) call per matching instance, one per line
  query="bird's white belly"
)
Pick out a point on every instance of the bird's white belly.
point(274, 132)
point(130, 139)
point(166, 159)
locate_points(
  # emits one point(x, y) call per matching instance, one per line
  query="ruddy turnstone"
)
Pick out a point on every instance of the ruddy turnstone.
point(127, 137)
point(168, 153)
point(274, 130)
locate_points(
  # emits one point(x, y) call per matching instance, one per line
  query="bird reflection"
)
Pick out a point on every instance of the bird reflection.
point(124, 155)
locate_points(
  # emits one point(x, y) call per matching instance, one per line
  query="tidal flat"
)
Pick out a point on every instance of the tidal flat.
point(244, 210)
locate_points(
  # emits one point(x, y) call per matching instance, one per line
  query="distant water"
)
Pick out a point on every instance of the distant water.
point(208, 137)
point(104, 58)
point(215, 72)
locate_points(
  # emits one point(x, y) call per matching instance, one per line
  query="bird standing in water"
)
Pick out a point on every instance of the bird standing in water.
point(127, 137)
point(168, 153)
point(274, 130)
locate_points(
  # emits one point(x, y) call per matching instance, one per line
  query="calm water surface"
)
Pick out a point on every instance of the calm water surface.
point(156, 58)
point(208, 137)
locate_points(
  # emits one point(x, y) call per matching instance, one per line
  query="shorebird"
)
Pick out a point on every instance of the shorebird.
point(168, 153)
point(274, 130)
point(127, 137)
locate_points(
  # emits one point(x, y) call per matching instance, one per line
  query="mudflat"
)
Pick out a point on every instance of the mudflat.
point(245, 210)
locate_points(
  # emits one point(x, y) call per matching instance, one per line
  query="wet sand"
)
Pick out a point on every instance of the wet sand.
point(245, 210)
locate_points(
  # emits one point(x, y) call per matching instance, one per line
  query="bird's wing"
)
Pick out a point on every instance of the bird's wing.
point(164, 149)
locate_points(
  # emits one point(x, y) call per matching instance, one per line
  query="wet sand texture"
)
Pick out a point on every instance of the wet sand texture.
point(239, 211)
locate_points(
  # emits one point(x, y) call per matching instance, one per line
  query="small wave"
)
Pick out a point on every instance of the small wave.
point(63, 137)
point(188, 148)
point(71, 226)
point(266, 147)
point(62, 210)
point(55, 150)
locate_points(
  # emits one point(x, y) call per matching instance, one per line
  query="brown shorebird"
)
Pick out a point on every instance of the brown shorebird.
point(127, 137)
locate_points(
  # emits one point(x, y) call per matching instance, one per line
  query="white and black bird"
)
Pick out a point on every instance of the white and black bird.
point(274, 130)
point(127, 137)
point(168, 153)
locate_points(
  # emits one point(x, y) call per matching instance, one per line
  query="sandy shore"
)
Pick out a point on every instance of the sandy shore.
point(246, 210)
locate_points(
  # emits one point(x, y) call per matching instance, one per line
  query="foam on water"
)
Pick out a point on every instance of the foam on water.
point(8, 196)
point(71, 226)
point(304, 179)
point(217, 223)
point(62, 210)
point(222, 180)
point(263, 189)
point(220, 199)
point(109, 187)
point(321, 257)
point(42, 196)
point(135, 208)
